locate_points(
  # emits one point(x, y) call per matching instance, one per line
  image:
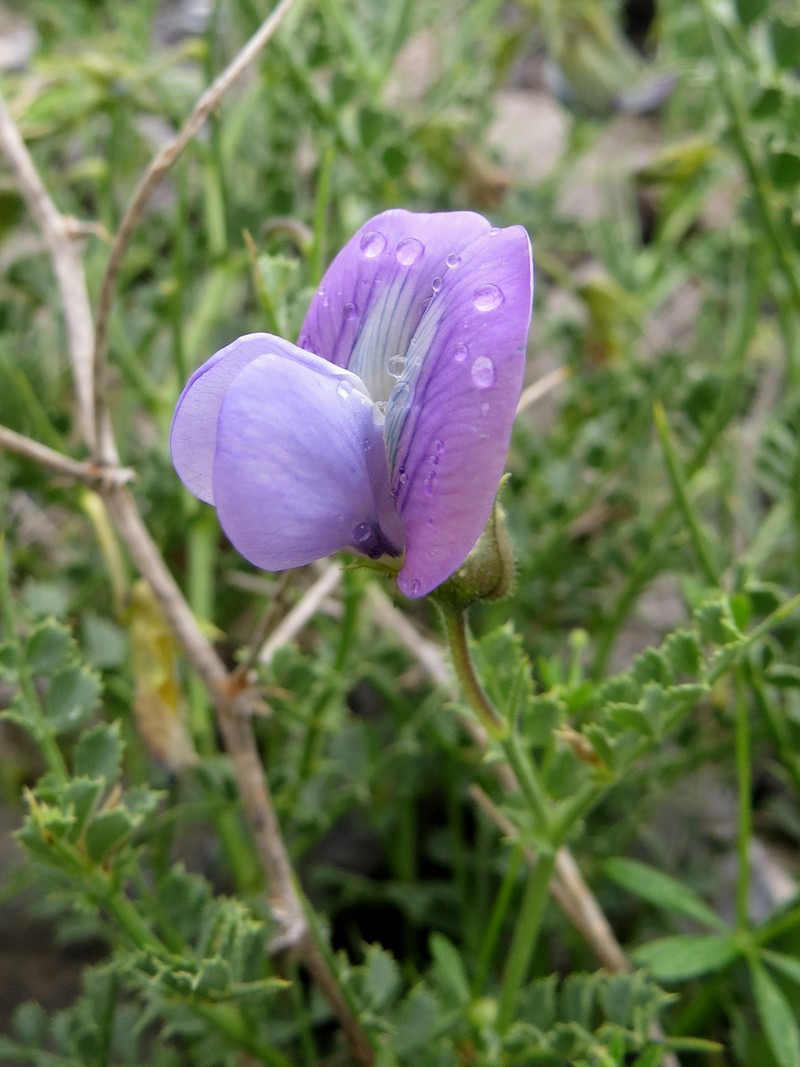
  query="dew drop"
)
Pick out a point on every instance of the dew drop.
point(429, 521)
point(402, 477)
point(367, 444)
point(483, 372)
point(460, 353)
point(362, 533)
point(401, 393)
point(372, 244)
point(415, 587)
point(438, 446)
point(408, 251)
point(425, 304)
point(396, 366)
point(485, 408)
point(433, 460)
point(344, 389)
point(494, 231)
point(350, 311)
point(453, 260)
point(487, 297)
point(437, 284)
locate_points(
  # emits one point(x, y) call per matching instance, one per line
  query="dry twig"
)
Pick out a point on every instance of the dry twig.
point(150, 179)
point(75, 469)
point(228, 694)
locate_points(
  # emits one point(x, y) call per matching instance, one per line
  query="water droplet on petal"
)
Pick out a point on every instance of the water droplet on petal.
point(362, 533)
point(460, 353)
point(437, 284)
point(415, 587)
point(350, 311)
point(372, 244)
point(367, 444)
point(408, 251)
point(344, 389)
point(429, 521)
point(453, 260)
point(425, 304)
point(487, 297)
point(402, 477)
point(494, 231)
point(438, 446)
point(434, 461)
point(396, 366)
point(401, 393)
point(485, 408)
point(483, 372)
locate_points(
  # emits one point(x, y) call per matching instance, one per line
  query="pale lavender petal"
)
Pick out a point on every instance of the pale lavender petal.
point(299, 469)
point(374, 293)
point(447, 438)
point(193, 436)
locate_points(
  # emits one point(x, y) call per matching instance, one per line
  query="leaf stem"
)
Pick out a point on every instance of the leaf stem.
point(526, 936)
point(744, 819)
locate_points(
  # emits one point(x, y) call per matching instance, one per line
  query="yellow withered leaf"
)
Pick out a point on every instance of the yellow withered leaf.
point(158, 703)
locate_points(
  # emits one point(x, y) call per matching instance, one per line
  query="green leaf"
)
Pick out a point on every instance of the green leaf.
point(98, 753)
point(81, 797)
point(380, 977)
point(677, 958)
point(108, 831)
point(750, 10)
point(777, 1018)
point(683, 654)
point(787, 965)
point(785, 42)
point(784, 168)
point(416, 1022)
point(662, 890)
point(715, 623)
point(73, 696)
point(49, 647)
point(450, 977)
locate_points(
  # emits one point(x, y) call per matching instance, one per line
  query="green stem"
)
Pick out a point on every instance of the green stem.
point(496, 920)
point(677, 477)
point(526, 935)
point(744, 808)
point(455, 625)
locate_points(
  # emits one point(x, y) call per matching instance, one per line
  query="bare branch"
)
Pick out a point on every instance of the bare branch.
point(68, 269)
point(88, 473)
point(159, 166)
point(539, 389)
point(230, 695)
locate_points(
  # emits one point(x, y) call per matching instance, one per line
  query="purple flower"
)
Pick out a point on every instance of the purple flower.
point(386, 430)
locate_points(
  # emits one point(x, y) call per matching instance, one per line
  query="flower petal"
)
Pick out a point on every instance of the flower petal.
point(447, 440)
point(193, 436)
point(373, 294)
point(299, 470)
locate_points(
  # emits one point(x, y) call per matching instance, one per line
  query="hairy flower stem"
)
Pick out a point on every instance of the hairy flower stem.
point(505, 734)
point(529, 919)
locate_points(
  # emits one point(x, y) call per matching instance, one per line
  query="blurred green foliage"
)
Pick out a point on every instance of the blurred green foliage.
point(647, 658)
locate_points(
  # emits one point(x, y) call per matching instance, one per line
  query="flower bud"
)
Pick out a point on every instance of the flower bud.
point(488, 571)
